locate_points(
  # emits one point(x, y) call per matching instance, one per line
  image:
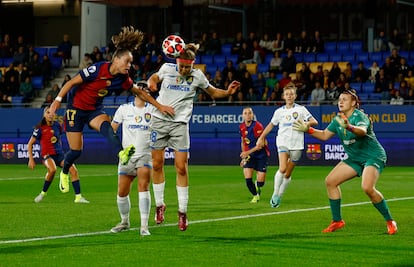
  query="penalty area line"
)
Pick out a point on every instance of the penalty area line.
point(17, 241)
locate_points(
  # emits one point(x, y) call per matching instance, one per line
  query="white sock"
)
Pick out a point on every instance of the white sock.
point(278, 181)
point(144, 204)
point(182, 193)
point(285, 183)
point(159, 193)
point(124, 206)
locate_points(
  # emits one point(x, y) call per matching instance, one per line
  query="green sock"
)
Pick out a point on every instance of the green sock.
point(335, 209)
point(382, 207)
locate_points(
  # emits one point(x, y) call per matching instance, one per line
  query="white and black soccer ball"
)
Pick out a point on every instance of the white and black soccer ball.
point(173, 46)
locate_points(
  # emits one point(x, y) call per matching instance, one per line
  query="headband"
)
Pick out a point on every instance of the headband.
point(187, 61)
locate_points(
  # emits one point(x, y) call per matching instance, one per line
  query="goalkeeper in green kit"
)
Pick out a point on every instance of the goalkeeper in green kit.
point(366, 158)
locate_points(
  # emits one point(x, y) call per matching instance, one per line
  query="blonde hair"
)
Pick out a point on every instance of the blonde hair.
point(190, 51)
point(127, 40)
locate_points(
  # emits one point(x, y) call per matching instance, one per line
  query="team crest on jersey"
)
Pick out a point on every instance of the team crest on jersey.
point(147, 117)
point(102, 92)
point(53, 139)
point(189, 80)
point(247, 140)
point(295, 115)
point(179, 80)
point(313, 151)
point(7, 151)
point(138, 119)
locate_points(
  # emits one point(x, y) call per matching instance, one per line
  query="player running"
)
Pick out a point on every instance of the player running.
point(366, 158)
point(48, 133)
point(253, 158)
point(290, 143)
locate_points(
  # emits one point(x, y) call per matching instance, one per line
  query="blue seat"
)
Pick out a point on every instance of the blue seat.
point(7, 61)
point(211, 68)
point(330, 47)
point(376, 56)
point(121, 99)
point(56, 63)
point(41, 51)
point(405, 54)
point(356, 86)
point(207, 59)
point(362, 56)
point(368, 88)
point(268, 58)
point(335, 57)
point(226, 49)
point(322, 57)
point(109, 100)
point(232, 58)
point(220, 60)
point(17, 101)
point(349, 56)
point(52, 51)
point(261, 68)
point(309, 57)
point(37, 82)
point(298, 56)
point(355, 46)
point(342, 46)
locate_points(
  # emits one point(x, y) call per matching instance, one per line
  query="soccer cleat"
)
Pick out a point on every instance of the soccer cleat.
point(122, 226)
point(182, 221)
point(335, 225)
point(159, 214)
point(125, 154)
point(80, 199)
point(258, 189)
point(255, 199)
point(392, 227)
point(144, 232)
point(39, 197)
point(275, 201)
point(64, 182)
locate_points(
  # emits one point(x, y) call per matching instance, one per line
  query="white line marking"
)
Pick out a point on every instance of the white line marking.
point(194, 222)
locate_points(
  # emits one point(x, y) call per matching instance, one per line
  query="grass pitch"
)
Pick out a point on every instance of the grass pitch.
point(225, 229)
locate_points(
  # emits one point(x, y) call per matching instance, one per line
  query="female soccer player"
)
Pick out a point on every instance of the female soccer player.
point(253, 157)
point(86, 91)
point(134, 117)
point(48, 133)
point(179, 83)
point(366, 158)
point(290, 144)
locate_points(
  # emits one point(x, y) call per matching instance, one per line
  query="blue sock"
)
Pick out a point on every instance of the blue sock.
point(76, 187)
point(46, 186)
point(70, 158)
point(107, 131)
point(250, 185)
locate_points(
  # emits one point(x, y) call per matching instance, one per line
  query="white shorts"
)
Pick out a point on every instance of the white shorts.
point(134, 163)
point(170, 134)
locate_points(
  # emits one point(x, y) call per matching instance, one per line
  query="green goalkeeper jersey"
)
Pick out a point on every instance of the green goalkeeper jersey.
point(359, 149)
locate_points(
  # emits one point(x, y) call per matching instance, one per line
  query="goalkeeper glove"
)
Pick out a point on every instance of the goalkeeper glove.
point(342, 120)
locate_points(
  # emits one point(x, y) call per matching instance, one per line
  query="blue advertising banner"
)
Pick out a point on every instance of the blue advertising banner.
point(215, 138)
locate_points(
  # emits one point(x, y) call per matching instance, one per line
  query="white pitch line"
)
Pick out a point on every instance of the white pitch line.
point(194, 222)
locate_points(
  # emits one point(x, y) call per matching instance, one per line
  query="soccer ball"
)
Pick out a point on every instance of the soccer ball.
point(172, 46)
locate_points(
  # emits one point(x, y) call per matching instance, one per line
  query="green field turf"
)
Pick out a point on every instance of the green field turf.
point(225, 229)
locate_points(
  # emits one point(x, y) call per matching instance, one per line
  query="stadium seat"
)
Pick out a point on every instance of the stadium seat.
point(356, 86)
point(17, 101)
point(348, 56)
point(322, 57)
point(56, 63)
point(37, 82)
point(251, 68)
point(202, 67)
point(109, 100)
point(298, 56)
point(368, 88)
point(342, 46)
point(52, 51)
point(41, 51)
point(335, 57)
point(207, 59)
point(405, 54)
point(309, 57)
point(220, 60)
point(355, 46)
point(211, 68)
point(121, 99)
point(362, 56)
point(226, 49)
point(268, 58)
point(363, 97)
point(264, 67)
point(376, 56)
point(232, 58)
point(7, 61)
point(330, 47)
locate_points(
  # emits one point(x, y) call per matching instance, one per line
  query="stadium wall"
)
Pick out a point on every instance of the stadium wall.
point(215, 139)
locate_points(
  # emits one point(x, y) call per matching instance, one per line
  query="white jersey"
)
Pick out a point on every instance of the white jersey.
point(178, 91)
point(284, 117)
point(135, 126)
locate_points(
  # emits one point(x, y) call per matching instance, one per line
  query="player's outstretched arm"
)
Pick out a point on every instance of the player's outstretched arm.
point(220, 93)
point(301, 126)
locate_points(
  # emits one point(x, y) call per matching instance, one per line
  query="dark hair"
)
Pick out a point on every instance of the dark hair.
point(127, 40)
